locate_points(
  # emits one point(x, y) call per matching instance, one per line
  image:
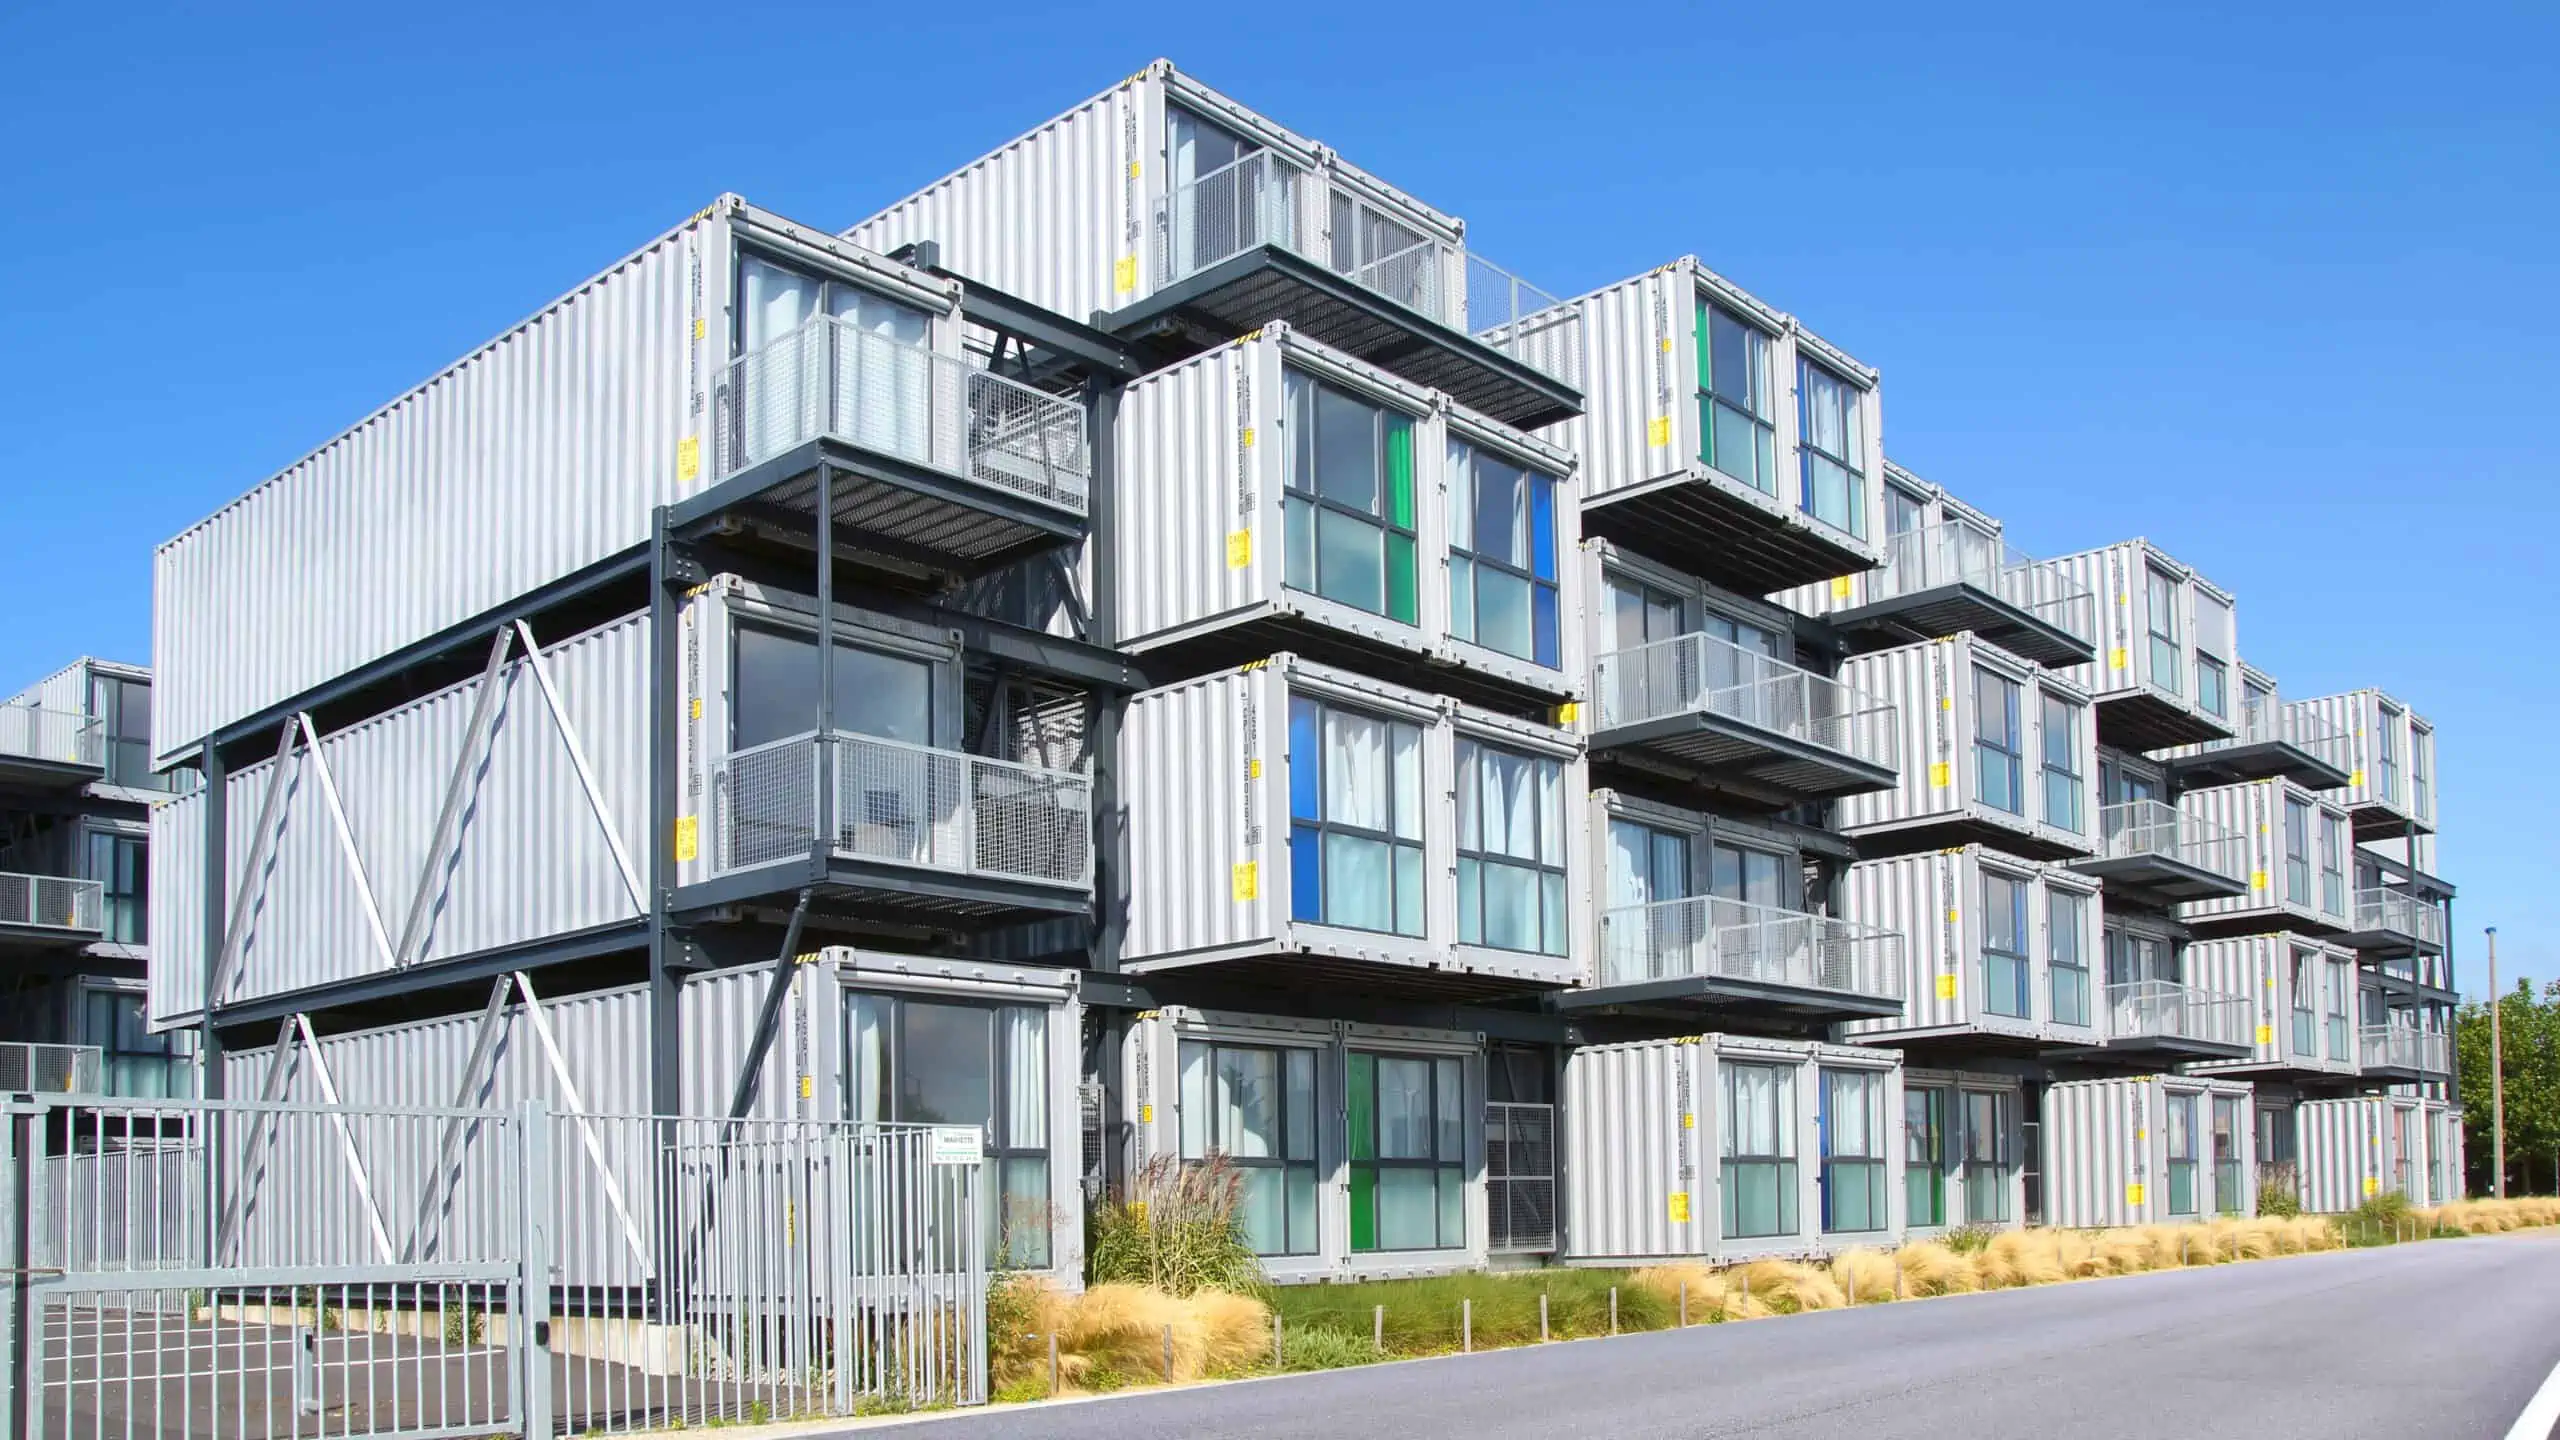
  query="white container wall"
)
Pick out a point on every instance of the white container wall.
point(1989, 941)
point(1963, 1140)
point(352, 874)
point(2353, 1150)
point(2148, 1150)
point(2294, 849)
point(2301, 994)
point(1989, 743)
point(2151, 612)
point(1462, 552)
point(536, 456)
point(2446, 1179)
point(2391, 764)
point(1643, 427)
point(1714, 1147)
point(1361, 1147)
point(1284, 813)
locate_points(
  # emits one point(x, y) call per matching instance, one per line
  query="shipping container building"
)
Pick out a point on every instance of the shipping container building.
point(1730, 1147)
point(2391, 751)
point(1964, 1141)
point(2302, 1005)
point(2295, 851)
point(2152, 852)
point(2355, 1149)
point(1723, 437)
point(2000, 955)
point(2273, 740)
point(1166, 213)
point(2163, 675)
point(2147, 1149)
point(2155, 1003)
point(1995, 750)
point(1948, 570)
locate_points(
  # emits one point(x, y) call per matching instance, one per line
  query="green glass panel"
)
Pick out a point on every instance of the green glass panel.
point(1403, 600)
point(1400, 472)
point(1363, 1118)
point(1364, 1207)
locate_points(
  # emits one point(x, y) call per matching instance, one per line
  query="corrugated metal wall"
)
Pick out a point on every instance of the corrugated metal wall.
point(2343, 1152)
point(2115, 575)
point(1634, 379)
point(2260, 967)
point(2360, 715)
point(2106, 1149)
point(2254, 811)
point(65, 691)
point(1934, 902)
point(1931, 686)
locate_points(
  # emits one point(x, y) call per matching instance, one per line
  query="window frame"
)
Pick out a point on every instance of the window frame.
point(2213, 686)
point(2307, 982)
point(1990, 1154)
point(120, 1028)
point(1837, 1164)
point(2386, 755)
point(1309, 834)
point(2333, 864)
point(2178, 1132)
point(1541, 578)
point(2159, 593)
point(2421, 770)
point(2062, 776)
point(1377, 1163)
point(1764, 424)
point(1781, 1164)
point(2228, 1136)
point(1853, 432)
point(1925, 1153)
point(2076, 964)
point(1553, 879)
point(120, 862)
point(1000, 1148)
point(1212, 1047)
point(2297, 851)
point(2023, 913)
point(1988, 752)
point(1302, 488)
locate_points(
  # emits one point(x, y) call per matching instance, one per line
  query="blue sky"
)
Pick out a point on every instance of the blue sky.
point(2277, 290)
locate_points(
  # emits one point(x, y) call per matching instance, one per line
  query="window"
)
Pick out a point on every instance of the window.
point(2333, 865)
point(1834, 447)
point(2066, 920)
point(2139, 959)
point(1999, 751)
point(2063, 781)
point(1511, 865)
point(1737, 420)
point(2306, 1004)
point(2339, 1010)
point(2004, 945)
point(1355, 819)
point(138, 1064)
point(120, 865)
point(882, 394)
point(1408, 1153)
point(773, 690)
point(2160, 609)
point(2297, 851)
point(1924, 1155)
point(1646, 867)
point(2275, 1136)
point(1989, 1155)
point(1348, 512)
point(1502, 559)
point(951, 1062)
point(2211, 680)
point(2421, 761)
point(1640, 614)
point(1753, 876)
point(1758, 1110)
point(1256, 1106)
point(2182, 1154)
point(1853, 1196)
point(1384, 254)
point(2227, 1134)
point(1223, 205)
point(1904, 512)
point(2387, 757)
point(122, 707)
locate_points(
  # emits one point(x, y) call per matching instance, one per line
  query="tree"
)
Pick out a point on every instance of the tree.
point(2531, 1044)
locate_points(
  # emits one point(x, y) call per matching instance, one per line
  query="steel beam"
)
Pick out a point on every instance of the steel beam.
point(586, 773)
point(484, 1042)
point(768, 1015)
point(578, 1111)
point(347, 841)
point(457, 785)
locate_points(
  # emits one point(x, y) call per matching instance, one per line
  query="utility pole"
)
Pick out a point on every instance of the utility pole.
point(2497, 1066)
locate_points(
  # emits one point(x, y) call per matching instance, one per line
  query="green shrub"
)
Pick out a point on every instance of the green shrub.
point(2279, 1191)
point(1322, 1347)
point(1969, 1239)
point(1424, 1316)
point(1175, 1229)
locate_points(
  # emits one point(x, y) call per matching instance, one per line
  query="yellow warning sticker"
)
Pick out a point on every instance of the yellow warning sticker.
point(1244, 881)
point(1665, 343)
point(2257, 879)
point(1946, 987)
point(1679, 1207)
point(1239, 549)
point(686, 846)
point(1248, 437)
point(2266, 1034)
point(700, 328)
point(2372, 1185)
point(1688, 1119)
point(1253, 771)
point(1146, 1115)
point(2356, 779)
point(1133, 169)
point(2117, 659)
point(1657, 431)
point(808, 1087)
point(1839, 587)
point(1940, 777)
point(688, 458)
point(1124, 274)
point(1569, 713)
point(696, 706)
point(2133, 1193)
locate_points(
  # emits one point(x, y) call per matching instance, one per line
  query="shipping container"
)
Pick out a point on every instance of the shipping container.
point(2155, 1007)
point(2293, 848)
point(2445, 1176)
point(2163, 675)
point(1963, 1139)
point(1693, 452)
point(1161, 205)
point(1281, 816)
point(1729, 1147)
point(2152, 853)
point(736, 342)
point(2357, 1148)
point(2301, 993)
point(88, 723)
point(1994, 751)
point(1995, 948)
point(1360, 1149)
point(2271, 740)
point(2391, 767)
point(1948, 570)
point(1243, 529)
point(2149, 1149)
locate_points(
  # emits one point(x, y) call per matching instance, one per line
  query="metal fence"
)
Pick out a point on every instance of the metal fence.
point(1704, 935)
point(905, 804)
point(57, 1069)
point(52, 902)
point(2166, 1009)
point(2404, 1047)
point(252, 1270)
point(63, 736)
point(1520, 1177)
point(2381, 909)
point(2266, 720)
point(2155, 827)
point(1951, 553)
point(833, 378)
point(1523, 321)
point(1698, 674)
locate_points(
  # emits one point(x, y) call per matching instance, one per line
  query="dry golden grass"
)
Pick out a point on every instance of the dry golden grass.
point(2020, 1257)
point(1865, 1275)
point(1930, 1268)
point(2493, 1217)
point(1114, 1335)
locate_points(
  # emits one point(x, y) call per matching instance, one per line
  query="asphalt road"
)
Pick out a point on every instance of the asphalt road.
point(2446, 1339)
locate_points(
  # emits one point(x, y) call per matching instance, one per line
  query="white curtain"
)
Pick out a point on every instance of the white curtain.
point(1024, 1035)
point(1759, 1116)
point(866, 1056)
point(884, 374)
point(1195, 1100)
point(1404, 1109)
point(1357, 770)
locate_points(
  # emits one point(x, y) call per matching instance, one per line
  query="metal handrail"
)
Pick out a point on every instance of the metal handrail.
point(51, 1069)
point(1951, 553)
point(1249, 201)
point(1521, 320)
point(2156, 827)
point(904, 804)
point(1698, 673)
point(2169, 1008)
point(2404, 1047)
point(2397, 912)
point(831, 377)
point(63, 736)
point(1705, 935)
point(2267, 720)
point(52, 902)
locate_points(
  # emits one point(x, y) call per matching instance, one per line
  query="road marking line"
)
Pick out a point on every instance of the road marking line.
point(2542, 1413)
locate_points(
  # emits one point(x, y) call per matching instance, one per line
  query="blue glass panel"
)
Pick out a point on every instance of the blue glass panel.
point(1542, 527)
point(1306, 874)
point(1542, 619)
point(1306, 766)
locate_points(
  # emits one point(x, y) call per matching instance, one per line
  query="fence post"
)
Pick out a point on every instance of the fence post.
point(1684, 1304)
point(1613, 1309)
point(1168, 1354)
point(1279, 1357)
point(1378, 1329)
point(530, 1334)
point(1467, 1325)
point(1053, 1364)
point(1542, 1317)
point(18, 1382)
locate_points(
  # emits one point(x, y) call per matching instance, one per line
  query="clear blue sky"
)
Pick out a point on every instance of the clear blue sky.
point(2279, 292)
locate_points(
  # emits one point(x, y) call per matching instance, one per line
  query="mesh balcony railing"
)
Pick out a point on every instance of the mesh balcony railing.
point(1949, 553)
point(2166, 1009)
point(2404, 1047)
point(1734, 940)
point(833, 378)
point(1520, 1177)
point(51, 1069)
point(2154, 827)
point(1523, 321)
point(52, 902)
point(1699, 674)
point(61, 736)
point(903, 804)
point(2265, 720)
point(2397, 912)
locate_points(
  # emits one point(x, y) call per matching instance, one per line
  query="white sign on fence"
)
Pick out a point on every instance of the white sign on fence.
point(958, 1145)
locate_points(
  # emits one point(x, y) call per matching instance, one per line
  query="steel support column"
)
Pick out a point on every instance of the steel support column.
point(824, 841)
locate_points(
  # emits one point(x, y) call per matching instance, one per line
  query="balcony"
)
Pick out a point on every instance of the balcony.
point(2166, 1019)
point(2403, 1053)
point(2273, 739)
point(2392, 923)
point(2151, 847)
point(50, 748)
point(51, 1069)
point(1948, 578)
point(1675, 957)
point(1703, 708)
point(1520, 1178)
point(938, 466)
point(919, 833)
point(51, 909)
point(1262, 239)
